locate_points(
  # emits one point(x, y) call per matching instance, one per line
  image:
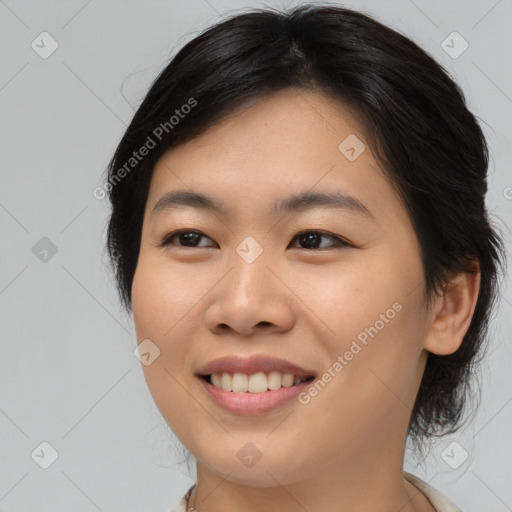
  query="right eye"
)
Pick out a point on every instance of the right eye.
point(186, 238)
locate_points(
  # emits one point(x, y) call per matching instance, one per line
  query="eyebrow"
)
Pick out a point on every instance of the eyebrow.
point(293, 203)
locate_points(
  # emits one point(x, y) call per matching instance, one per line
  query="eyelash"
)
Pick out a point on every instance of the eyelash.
point(340, 242)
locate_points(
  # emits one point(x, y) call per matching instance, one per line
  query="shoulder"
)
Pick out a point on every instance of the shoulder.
point(438, 500)
point(182, 505)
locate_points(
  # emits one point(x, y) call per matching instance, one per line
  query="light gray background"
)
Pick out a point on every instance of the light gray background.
point(68, 374)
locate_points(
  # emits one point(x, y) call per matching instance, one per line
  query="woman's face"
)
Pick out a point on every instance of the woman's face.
point(345, 303)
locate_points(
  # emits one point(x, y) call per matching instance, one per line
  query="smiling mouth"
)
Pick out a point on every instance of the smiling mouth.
point(259, 382)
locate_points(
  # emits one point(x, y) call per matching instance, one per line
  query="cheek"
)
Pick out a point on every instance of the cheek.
point(163, 300)
point(349, 302)
point(376, 327)
point(161, 296)
point(143, 303)
point(155, 313)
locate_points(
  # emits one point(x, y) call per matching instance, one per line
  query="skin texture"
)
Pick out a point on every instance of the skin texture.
point(344, 449)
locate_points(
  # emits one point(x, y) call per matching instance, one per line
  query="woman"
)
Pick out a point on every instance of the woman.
point(299, 228)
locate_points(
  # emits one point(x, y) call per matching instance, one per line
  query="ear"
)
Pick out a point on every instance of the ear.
point(452, 313)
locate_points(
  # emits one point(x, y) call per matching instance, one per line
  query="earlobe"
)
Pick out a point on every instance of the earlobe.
point(452, 314)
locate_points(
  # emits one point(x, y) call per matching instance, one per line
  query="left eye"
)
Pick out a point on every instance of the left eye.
point(311, 237)
point(189, 238)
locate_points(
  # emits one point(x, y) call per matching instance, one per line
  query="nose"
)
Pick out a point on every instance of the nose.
point(253, 297)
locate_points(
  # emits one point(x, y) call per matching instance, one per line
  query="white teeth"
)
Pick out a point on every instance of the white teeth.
point(287, 380)
point(255, 383)
point(226, 379)
point(217, 380)
point(274, 380)
point(240, 382)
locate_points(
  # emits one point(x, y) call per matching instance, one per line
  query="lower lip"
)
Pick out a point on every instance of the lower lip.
point(253, 403)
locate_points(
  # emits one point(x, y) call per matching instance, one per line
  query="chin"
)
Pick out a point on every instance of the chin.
point(263, 470)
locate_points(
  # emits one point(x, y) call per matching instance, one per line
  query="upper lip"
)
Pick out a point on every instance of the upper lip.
point(252, 364)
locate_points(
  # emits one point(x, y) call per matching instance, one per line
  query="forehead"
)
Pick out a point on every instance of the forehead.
point(287, 142)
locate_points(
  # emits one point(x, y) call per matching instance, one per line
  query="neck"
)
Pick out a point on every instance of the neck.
point(365, 479)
